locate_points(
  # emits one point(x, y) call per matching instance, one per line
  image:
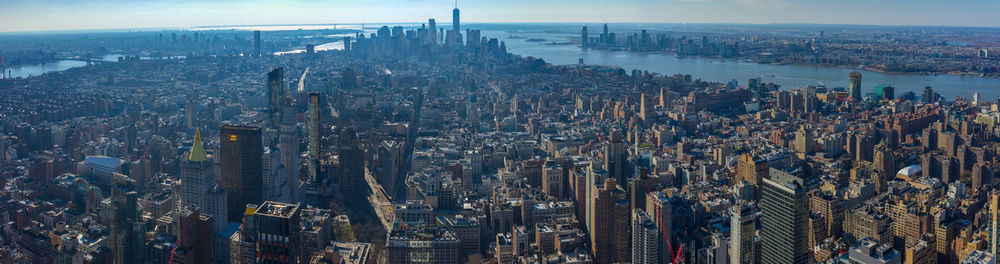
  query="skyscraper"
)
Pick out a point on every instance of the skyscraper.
point(241, 153)
point(855, 86)
point(646, 108)
point(605, 38)
point(659, 209)
point(275, 227)
point(645, 239)
point(583, 36)
point(196, 175)
point(288, 143)
point(200, 189)
point(191, 113)
point(127, 232)
point(615, 157)
point(256, 44)
point(454, 18)
point(274, 181)
point(611, 224)
point(432, 31)
point(785, 220)
point(351, 169)
point(275, 97)
point(313, 130)
point(194, 237)
point(994, 225)
point(741, 241)
point(803, 141)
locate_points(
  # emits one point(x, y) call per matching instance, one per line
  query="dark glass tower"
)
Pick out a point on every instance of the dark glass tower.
point(454, 18)
point(256, 43)
point(240, 159)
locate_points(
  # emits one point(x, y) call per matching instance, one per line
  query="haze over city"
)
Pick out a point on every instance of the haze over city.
point(499, 132)
point(29, 15)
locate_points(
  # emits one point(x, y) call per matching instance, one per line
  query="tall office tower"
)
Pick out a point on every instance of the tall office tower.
point(275, 98)
point(194, 237)
point(313, 131)
point(273, 229)
point(196, 175)
point(975, 98)
point(200, 189)
point(785, 220)
point(752, 170)
point(646, 108)
point(994, 226)
point(454, 19)
point(645, 239)
point(611, 224)
point(240, 155)
point(256, 44)
point(288, 143)
point(741, 239)
point(432, 31)
point(855, 86)
point(616, 157)
point(127, 232)
point(605, 38)
point(584, 37)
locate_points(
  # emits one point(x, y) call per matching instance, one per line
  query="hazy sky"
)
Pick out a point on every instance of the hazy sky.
point(32, 15)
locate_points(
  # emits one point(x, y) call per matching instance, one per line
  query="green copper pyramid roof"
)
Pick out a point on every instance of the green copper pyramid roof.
point(197, 149)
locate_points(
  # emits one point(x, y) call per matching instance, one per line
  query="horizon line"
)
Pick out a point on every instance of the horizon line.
point(186, 28)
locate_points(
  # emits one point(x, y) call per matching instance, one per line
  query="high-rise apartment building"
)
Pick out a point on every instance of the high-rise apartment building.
point(742, 235)
point(752, 170)
point(313, 133)
point(645, 239)
point(611, 224)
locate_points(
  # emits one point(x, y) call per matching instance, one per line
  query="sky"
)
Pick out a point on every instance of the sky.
point(42, 15)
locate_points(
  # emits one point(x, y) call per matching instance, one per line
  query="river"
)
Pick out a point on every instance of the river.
point(725, 70)
point(516, 37)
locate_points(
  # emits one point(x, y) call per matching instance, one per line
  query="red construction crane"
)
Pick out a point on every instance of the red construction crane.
point(666, 236)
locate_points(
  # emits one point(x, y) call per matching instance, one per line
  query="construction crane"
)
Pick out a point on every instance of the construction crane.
point(666, 237)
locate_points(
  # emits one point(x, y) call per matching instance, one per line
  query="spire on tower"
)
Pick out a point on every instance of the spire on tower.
point(197, 148)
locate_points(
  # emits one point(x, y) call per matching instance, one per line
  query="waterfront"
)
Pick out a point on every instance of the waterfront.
point(517, 36)
point(722, 70)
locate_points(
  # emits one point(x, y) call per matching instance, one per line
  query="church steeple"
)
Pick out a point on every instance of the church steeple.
point(197, 149)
